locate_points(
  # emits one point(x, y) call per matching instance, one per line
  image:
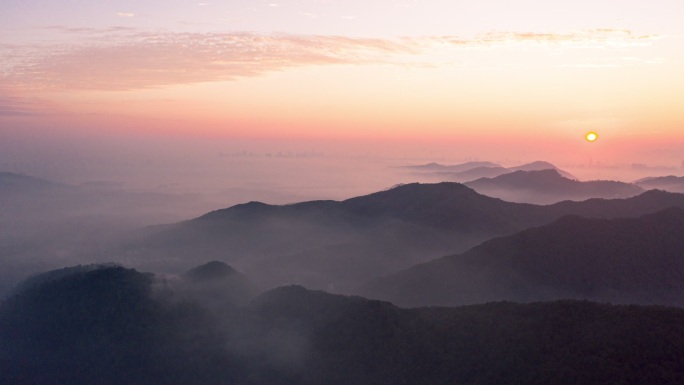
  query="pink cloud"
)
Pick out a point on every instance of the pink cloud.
point(123, 59)
point(141, 60)
point(594, 36)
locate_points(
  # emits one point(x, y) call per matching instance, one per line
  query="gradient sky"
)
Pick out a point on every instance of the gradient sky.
point(490, 79)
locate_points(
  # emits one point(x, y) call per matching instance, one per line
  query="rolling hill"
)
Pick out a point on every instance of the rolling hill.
point(475, 170)
point(669, 183)
point(110, 325)
point(549, 186)
point(330, 244)
point(625, 260)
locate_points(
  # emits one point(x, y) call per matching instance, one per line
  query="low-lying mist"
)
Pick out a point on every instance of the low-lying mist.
point(110, 325)
point(60, 210)
point(95, 192)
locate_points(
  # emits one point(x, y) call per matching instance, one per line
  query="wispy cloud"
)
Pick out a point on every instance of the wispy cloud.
point(122, 58)
point(143, 60)
point(580, 39)
point(125, 14)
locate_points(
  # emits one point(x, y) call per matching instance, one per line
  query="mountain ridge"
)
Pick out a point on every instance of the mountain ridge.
point(114, 328)
point(474, 170)
point(388, 231)
point(549, 186)
point(623, 260)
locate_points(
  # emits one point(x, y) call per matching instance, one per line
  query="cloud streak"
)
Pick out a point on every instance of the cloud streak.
point(125, 59)
point(144, 60)
point(599, 38)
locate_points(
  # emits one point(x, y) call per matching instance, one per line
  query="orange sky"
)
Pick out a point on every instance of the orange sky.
point(489, 79)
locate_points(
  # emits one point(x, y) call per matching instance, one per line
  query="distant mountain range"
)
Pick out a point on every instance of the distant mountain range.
point(549, 186)
point(626, 260)
point(541, 165)
point(475, 170)
point(338, 245)
point(363, 236)
point(669, 183)
point(111, 325)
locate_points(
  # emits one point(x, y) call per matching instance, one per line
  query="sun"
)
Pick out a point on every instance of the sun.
point(591, 136)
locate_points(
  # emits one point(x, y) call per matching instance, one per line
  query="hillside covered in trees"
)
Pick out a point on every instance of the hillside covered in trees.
point(111, 325)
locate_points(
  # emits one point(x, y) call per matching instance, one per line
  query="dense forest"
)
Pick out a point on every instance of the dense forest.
point(111, 325)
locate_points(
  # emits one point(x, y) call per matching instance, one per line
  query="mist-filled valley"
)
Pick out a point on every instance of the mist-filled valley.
point(341, 192)
point(484, 280)
point(110, 325)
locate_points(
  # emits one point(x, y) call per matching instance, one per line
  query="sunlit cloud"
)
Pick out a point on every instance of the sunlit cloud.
point(125, 14)
point(121, 58)
point(580, 39)
point(142, 60)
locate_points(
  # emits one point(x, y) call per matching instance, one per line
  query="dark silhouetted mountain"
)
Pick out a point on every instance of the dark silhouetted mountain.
point(669, 183)
point(449, 206)
point(109, 326)
point(484, 170)
point(211, 271)
point(218, 284)
point(541, 165)
point(353, 340)
point(548, 186)
point(397, 227)
point(58, 274)
point(104, 326)
point(335, 245)
point(626, 260)
point(649, 202)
